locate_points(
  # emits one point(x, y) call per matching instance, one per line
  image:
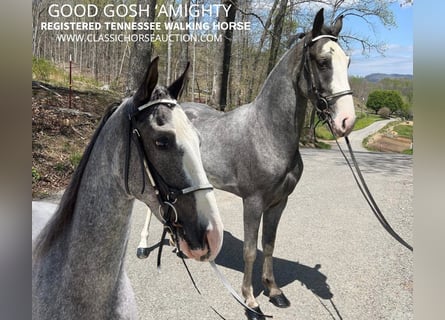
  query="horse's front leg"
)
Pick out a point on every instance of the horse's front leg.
point(143, 251)
point(252, 217)
point(271, 218)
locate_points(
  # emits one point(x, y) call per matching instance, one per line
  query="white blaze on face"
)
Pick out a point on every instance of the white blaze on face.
point(187, 139)
point(344, 113)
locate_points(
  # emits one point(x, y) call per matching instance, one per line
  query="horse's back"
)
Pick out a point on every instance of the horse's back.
point(199, 111)
point(41, 214)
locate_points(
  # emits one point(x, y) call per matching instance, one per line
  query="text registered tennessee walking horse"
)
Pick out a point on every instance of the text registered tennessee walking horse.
point(147, 149)
point(253, 152)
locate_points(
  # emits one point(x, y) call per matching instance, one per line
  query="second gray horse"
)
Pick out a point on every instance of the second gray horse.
point(253, 152)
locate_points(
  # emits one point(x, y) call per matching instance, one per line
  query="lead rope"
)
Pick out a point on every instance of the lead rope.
point(363, 187)
point(227, 285)
point(168, 227)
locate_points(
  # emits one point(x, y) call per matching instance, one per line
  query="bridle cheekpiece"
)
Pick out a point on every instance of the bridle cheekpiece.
point(167, 195)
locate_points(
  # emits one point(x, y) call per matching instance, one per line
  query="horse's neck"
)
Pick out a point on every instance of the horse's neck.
point(96, 239)
point(279, 103)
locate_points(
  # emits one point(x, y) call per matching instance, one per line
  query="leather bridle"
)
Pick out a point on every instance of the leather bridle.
point(167, 197)
point(166, 194)
point(322, 103)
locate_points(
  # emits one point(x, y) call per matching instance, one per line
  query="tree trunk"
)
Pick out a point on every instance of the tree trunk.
point(141, 52)
point(184, 55)
point(215, 97)
point(256, 58)
point(227, 54)
point(276, 35)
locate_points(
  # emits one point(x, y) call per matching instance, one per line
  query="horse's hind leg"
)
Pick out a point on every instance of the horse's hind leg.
point(143, 250)
point(271, 218)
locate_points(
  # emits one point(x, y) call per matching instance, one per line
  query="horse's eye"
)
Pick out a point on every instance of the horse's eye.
point(162, 143)
point(323, 63)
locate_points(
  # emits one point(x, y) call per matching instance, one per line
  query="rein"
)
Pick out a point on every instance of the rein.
point(363, 187)
point(322, 108)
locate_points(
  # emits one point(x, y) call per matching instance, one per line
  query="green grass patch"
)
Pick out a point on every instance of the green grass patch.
point(366, 120)
point(75, 159)
point(35, 175)
point(322, 145)
point(46, 71)
point(321, 132)
point(404, 130)
point(363, 120)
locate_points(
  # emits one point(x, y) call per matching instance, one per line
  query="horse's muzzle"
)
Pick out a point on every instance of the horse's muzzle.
point(210, 247)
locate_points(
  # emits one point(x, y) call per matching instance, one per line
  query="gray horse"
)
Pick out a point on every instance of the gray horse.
point(253, 151)
point(142, 149)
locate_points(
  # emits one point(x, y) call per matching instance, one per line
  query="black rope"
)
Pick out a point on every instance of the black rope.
point(370, 199)
point(363, 187)
point(173, 231)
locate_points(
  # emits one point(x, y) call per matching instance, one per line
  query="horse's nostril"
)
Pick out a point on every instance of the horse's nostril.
point(343, 123)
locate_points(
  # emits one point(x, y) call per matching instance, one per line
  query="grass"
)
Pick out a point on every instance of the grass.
point(75, 159)
point(322, 145)
point(404, 131)
point(35, 174)
point(400, 128)
point(363, 120)
point(45, 70)
point(321, 132)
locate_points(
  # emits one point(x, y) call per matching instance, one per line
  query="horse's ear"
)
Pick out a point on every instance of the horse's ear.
point(175, 89)
point(318, 23)
point(143, 94)
point(338, 24)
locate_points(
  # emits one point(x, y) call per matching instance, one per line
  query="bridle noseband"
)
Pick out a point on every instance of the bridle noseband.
point(167, 195)
point(323, 103)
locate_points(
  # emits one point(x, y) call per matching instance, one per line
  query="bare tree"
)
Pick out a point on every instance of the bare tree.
point(227, 54)
point(141, 51)
point(276, 34)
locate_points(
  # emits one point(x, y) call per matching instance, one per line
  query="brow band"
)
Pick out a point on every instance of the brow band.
point(155, 102)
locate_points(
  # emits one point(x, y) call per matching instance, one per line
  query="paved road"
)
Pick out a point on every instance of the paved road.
point(356, 137)
point(332, 259)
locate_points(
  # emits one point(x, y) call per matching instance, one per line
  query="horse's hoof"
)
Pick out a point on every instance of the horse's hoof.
point(143, 253)
point(280, 301)
point(255, 316)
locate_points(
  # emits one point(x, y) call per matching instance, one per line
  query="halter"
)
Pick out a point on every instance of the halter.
point(167, 195)
point(323, 103)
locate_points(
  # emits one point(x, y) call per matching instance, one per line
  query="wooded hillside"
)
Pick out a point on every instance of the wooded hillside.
point(225, 72)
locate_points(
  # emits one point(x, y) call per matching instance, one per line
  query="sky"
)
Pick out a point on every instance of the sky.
point(398, 56)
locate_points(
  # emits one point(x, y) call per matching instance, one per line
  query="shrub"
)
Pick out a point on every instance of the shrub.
point(42, 69)
point(384, 112)
point(385, 98)
point(35, 175)
point(75, 159)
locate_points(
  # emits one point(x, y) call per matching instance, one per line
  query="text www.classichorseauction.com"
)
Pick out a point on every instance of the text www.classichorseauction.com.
point(203, 31)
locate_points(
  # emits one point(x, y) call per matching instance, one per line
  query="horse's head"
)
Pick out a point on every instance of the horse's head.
point(326, 72)
point(169, 144)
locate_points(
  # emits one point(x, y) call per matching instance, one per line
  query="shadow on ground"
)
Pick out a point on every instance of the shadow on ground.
point(286, 271)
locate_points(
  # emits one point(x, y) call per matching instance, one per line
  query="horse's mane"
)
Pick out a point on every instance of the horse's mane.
point(63, 216)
